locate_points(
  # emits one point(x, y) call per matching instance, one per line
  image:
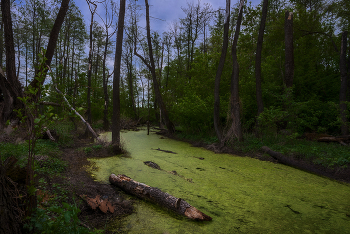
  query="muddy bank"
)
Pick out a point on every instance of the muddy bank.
point(78, 185)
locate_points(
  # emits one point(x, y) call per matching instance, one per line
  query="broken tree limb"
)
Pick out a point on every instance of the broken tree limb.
point(166, 151)
point(155, 195)
point(76, 112)
point(49, 134)
point(340, 140)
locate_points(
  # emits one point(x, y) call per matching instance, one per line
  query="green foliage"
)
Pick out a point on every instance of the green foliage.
point(64, 131)
point(52, 166)
point(270, 119)
point(20, 151)
point(56, 219)
point(90, 149)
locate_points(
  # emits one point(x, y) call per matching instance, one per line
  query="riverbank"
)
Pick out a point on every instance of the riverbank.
point(331, 160)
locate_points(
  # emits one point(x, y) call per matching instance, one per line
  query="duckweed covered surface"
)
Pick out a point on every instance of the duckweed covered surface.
point(242, 195)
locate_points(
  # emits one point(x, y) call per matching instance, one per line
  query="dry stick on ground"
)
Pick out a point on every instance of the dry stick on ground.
point(76, 112)
point(155, 195)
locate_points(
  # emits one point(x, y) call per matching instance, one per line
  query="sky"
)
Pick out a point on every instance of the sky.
point(162, 12)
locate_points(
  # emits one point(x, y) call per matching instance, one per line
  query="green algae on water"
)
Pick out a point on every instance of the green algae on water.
point(242, 195)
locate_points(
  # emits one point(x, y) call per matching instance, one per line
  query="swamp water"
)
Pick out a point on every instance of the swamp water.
point(241, 194)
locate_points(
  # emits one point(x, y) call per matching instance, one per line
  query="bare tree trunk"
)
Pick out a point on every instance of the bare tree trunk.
point(258, 58)
point(105, 87)
point(131, 87)
point(116, 78)
point(236, 126)
point(343, 87)
point(217, 123)
point(289, 50)
point(89, 73)
point(151, 67)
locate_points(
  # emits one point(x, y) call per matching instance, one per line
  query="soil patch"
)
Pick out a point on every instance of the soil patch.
point(81, 186)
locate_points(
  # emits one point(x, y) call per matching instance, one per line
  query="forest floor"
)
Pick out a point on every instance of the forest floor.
point(79, 184)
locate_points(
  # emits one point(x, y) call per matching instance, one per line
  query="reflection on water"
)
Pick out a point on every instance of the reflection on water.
point(242, 195)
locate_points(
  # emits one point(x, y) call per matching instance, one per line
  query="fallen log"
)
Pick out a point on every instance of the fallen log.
point(293, 163)
point(155, 195)
point(341, 140)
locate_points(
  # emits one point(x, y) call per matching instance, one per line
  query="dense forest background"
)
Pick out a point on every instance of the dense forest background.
point(186, 58)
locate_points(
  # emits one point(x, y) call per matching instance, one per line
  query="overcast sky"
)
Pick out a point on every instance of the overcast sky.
point(163, 12)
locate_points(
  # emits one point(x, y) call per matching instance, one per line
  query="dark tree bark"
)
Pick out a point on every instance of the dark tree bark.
point(9, 47)
point(289, 49)
point(151, 67)
point(155, 195)
point(343, 86)
point(9, 84)
point(217, 123)
point(235, 116)
point(1, 41)
point(116, 77)
point(258, 58)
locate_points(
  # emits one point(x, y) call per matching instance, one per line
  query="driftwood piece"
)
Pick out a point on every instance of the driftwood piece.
point(155, 195)
point(152, 164)
point(166, 151)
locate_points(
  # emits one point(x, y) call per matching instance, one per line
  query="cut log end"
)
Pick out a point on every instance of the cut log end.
point(193, 213)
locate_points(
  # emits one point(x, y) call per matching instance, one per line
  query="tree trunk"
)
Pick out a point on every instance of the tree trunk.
point(151, 67)
point(9, 84)
point(105, 85)
point(51, 44)
point(89, 73)
point(289, 50)
point(131, 87)
point(258, 58)
point(235, 117)
point(343, 86)
point(116, 77)
point(217, 123)
point(155, 195)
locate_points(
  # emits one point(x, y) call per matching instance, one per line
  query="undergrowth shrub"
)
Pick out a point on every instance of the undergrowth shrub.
point(56, 219)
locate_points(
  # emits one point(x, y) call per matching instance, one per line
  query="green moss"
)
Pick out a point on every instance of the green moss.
point(240, 194)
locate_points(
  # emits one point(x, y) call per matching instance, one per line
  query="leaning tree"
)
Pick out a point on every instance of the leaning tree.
point(10, 86)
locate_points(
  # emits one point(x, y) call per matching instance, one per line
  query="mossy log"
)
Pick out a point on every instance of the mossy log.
point(155, 195)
